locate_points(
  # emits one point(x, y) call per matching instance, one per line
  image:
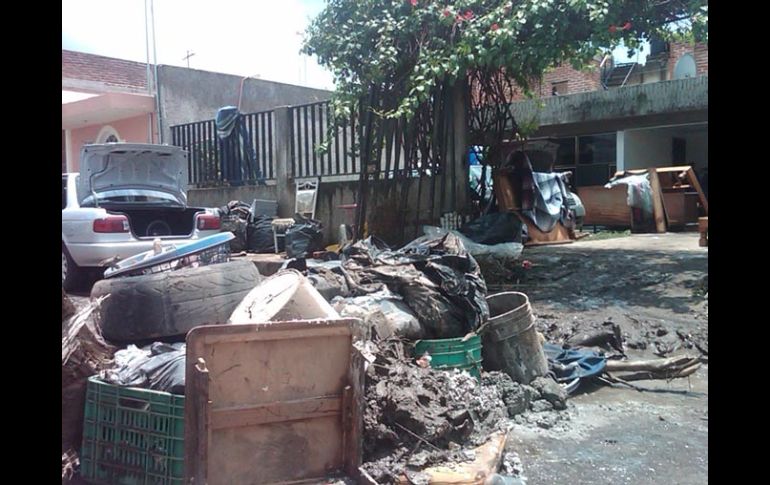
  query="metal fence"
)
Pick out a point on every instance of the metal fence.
point(208, 154)
point(395, 151)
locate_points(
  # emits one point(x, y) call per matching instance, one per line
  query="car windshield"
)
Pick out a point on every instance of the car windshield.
point(130, 196)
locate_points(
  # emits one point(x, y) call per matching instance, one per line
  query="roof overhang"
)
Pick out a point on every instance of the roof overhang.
point(105, 108)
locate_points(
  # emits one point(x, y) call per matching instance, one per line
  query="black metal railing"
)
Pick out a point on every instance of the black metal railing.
point(210, 158)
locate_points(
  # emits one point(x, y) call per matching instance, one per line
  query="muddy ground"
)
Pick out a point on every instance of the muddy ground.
point(655, 288)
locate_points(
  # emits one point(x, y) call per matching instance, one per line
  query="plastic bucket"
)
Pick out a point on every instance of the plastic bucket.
point(452, 353)
point(287, 295)
point(511, 343)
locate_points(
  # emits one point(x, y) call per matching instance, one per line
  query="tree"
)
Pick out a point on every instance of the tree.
point(403, 53)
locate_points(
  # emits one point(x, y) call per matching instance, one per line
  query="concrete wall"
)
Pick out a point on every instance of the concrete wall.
point(189, 95)
point(669, 102)
point(384, 202)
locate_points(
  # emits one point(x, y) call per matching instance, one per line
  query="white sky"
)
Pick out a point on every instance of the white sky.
point(242, 37)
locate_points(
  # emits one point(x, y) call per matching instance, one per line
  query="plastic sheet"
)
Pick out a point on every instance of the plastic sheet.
point(159, 366)
point(304, 237)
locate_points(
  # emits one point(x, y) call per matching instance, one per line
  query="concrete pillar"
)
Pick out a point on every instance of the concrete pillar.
point(282, 161)
point(620, 147)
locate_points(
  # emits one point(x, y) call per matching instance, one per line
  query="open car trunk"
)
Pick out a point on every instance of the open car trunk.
point(159, 221)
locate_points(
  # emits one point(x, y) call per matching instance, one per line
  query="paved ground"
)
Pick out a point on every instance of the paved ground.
point(653, 287)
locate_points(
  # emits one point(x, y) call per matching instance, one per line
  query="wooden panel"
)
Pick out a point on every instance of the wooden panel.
point(657, 201)
point(681, 208)
point(504, 192)
point(279, 408)
point(605, 207)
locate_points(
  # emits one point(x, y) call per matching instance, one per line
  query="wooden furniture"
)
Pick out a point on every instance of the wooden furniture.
point(273, 402)
point(703, 228)
point(605, 207)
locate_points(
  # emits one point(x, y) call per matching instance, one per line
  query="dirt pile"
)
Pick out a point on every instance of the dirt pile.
point(416, 417)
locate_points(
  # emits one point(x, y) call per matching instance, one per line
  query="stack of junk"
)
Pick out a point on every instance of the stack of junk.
point(376, 365)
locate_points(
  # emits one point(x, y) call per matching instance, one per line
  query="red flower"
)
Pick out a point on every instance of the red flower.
point(494, 27)
point(613, 29)
point(526, 264)
point(459, 18)
point(446, 13)
point(627, 26)
point(414, 3)
point(468, 15)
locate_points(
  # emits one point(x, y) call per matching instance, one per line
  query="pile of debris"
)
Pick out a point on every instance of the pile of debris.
point(417, 416)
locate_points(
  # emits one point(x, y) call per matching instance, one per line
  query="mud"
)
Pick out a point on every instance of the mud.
point(417, 417)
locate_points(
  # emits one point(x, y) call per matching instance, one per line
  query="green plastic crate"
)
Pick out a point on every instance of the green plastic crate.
point(452, 353)
point(132, 436)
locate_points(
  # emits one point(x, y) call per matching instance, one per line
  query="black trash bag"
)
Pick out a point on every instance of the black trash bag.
point(495, 228)
point(437, 277)
point(304, 238)
point(259, 236)
point(239, 228)
point(159, 366)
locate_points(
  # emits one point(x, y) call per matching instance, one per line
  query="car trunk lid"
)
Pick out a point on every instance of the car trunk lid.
point(133, 166)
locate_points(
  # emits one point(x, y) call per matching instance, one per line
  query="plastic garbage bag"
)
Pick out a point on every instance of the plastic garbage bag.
point(304, 237)
point(159, 366)
point(495, 228)
point(259, 235)
point(382, 311)
point(507, 250)
point(436, 276)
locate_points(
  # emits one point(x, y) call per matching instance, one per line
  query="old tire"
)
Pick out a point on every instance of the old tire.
point(169, 304)
point(71, 273)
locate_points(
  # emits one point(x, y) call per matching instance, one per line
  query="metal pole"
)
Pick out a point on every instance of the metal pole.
point(149, 74)
point(155, 63)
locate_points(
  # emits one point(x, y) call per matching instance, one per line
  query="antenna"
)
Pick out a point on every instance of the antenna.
point(187, 58)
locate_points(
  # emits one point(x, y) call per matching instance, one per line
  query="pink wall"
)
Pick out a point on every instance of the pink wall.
point(133, 130)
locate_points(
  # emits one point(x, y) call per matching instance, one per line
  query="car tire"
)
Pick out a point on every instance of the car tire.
point(71, 273)
point(171, 303)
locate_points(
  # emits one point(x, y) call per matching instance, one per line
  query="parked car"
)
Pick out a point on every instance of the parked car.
point(126, 196)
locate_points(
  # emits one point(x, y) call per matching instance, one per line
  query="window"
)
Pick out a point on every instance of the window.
point(560, 88)
point(597, 149)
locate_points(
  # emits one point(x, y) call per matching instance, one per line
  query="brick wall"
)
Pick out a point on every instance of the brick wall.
point(699, 51)
point(108, 70)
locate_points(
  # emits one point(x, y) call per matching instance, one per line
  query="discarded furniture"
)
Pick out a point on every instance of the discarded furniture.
point(605, 207)
point(509, 200)
point(306, 198)
point(677, 200)
point(279, 230)
point(273, 402)
point(703, 229)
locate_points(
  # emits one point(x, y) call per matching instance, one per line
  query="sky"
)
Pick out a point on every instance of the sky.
point(259, 38)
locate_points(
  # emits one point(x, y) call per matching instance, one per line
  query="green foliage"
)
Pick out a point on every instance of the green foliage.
point(408, 47)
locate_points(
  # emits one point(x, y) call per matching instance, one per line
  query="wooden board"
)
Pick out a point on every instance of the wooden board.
point(476, 472)
point(657, 202)
point(605, 207)
point(273, 403)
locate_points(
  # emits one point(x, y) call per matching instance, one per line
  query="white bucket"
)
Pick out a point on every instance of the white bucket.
point(287, 295)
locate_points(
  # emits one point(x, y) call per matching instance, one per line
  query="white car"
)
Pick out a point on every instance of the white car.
point(126, 196)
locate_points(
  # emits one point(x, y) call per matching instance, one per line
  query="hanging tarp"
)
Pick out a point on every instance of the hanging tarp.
point(238, 165)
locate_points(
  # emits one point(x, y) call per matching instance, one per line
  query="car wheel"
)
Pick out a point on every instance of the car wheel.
point(171, 303)
point(71, 273)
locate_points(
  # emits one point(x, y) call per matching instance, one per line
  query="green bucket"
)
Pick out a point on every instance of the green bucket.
point(452, 353)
